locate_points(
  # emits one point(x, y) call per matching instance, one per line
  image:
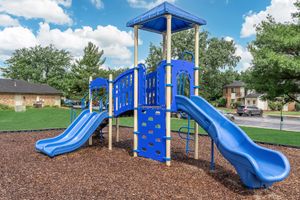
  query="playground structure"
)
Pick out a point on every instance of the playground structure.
point(152, 97)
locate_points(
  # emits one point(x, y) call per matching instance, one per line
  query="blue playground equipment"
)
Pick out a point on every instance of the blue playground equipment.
point(152, 97)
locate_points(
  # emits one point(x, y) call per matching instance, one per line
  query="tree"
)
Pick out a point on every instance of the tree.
point(39, 65)
point(217, 60)
point(276, 59)
point(89, 65)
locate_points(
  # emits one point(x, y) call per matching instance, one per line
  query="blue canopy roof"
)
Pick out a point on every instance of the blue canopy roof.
point(154, 20)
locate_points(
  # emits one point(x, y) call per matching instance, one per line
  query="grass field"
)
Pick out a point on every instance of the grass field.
point(60, 118)
point(34, 118)
point(257, 134)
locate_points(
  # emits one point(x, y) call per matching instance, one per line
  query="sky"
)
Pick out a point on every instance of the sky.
point(71, 24)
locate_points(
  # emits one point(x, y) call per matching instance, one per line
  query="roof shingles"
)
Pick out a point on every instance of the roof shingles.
point(23, 87)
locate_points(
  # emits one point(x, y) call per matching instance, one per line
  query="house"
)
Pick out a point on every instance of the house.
point(254, 99)
point(15, 93)
point(234, 92)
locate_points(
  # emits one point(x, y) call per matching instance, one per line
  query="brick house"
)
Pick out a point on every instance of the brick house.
point(234, 92)
point(21, 93)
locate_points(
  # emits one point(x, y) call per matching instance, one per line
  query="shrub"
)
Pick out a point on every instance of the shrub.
point(221, 102)
point(5, 107)
point(275, 105)
point(234, 105)
point(297, 107)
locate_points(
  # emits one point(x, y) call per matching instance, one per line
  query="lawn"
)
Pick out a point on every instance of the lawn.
point(34, 118)
point(256, 134)
point(60, 118)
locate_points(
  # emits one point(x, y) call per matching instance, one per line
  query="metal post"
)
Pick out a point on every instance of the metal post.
point(118, 129)
point(168, 91)
point(212, 157)
point(196, 89)
point(135, 121)
point(110, 114)
point(90, 107)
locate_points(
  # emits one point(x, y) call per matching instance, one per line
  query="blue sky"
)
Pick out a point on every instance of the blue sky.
point(71, 24)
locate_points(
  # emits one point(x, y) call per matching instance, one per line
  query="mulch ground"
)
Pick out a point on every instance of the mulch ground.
point(97, 173)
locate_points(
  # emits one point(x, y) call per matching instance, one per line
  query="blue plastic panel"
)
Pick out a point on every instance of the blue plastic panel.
point(99, 83)
point(123, 92)
point(178, 66)
point(152, 130)
point(151, 89)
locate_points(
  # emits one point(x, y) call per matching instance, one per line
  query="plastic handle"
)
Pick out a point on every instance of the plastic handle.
point(187, 53)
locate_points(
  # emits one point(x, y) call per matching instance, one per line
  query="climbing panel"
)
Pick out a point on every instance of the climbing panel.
point(151, 134)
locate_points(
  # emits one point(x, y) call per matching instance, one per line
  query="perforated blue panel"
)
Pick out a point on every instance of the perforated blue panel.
point(151, 136)
point(151, 89)
point(123, 92)
point(178, 66)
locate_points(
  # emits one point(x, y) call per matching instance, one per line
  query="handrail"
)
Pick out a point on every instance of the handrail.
point(188, 53)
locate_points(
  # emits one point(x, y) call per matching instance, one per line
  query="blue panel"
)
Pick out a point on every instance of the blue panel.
point(151, 89)
point(123, 92)
point(257, 166)
point(151, 136)
point(99, 83)
point(154, 20)
point(178, 66)
point(141, 89)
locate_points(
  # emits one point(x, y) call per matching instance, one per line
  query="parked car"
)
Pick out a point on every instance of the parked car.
point(249, 110)
point(228, 115)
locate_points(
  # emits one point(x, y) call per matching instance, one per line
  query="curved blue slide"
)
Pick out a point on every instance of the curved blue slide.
point(74, 136)
point(257, 166)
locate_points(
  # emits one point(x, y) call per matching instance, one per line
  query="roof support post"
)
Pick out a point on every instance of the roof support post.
point(90, 106)
point(168, 90)
point(164, 46)
point(196, 90)
point(135, 121)
point(110, 111)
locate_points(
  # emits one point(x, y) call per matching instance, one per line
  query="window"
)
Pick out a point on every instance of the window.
point(248, 102)
point(254, 102)
point(233, 90)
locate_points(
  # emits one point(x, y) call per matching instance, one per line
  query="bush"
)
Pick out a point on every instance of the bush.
point(221, 102)
point(234, 105)
point(275, 105)
point(297, 107)
point(5, 107)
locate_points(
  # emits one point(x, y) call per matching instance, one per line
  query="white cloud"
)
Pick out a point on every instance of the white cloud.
point(98, 3)
point(280, 10)
point(65, 3)
point(246, 57)
point(228, 38)
point(114, 42)
point(146, 3)
point(49, 10)
point(12, 38)
point(6, 20)
point(243, 52)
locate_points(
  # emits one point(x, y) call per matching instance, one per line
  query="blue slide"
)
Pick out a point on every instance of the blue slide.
point(257, 166)
point(74, 136)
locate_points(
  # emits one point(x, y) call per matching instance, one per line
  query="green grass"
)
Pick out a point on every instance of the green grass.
point(256, 134)
point(34, 118)
point(60, 118)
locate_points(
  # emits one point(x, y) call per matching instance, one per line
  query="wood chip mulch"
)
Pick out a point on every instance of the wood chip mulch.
point(97, 173)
